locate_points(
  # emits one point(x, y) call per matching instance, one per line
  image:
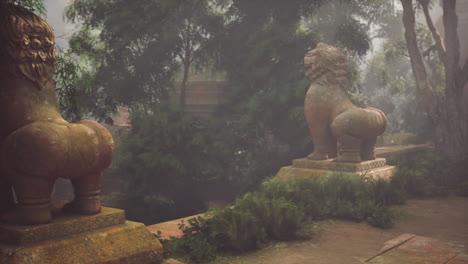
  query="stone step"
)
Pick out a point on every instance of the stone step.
point(412, 249)
point(61, 225)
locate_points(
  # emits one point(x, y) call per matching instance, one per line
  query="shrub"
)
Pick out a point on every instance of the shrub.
point(284, 210)
point(426, 175)
point(381, 217)
point(194, 240)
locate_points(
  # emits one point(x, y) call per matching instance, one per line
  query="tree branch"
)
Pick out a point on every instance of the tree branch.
point(378, 35)
point(438, 40)
point(429, 50)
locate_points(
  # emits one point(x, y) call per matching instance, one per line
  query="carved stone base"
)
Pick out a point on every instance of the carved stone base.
point(103, 238)
point(304, 168)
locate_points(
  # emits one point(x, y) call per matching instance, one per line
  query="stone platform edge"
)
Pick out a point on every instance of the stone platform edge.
point(62, 225)
point(129, 242)
point(339, 166)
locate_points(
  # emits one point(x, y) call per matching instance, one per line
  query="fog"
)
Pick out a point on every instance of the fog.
point(63, 30)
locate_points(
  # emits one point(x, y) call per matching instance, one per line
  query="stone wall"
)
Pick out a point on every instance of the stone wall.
point(202, 97)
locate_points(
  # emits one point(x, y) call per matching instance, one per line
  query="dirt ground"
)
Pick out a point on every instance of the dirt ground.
point(340, 242)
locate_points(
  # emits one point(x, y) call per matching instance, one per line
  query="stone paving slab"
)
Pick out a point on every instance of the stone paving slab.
point(411, 249)
point(170, 228)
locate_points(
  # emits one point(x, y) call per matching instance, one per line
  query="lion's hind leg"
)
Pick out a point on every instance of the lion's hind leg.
point(6, 196)
point(351, 149)
point(33, 194)
point(87, 194)
point(368, 148)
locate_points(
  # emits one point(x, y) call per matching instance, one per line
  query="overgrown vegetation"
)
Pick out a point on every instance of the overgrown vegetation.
point(35, 5)
point(134, 56)
point(429, 175)
point(165, 156)
point(287, 210)
point(284, 211)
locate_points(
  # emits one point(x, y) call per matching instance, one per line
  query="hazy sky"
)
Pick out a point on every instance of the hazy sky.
point(62, 30)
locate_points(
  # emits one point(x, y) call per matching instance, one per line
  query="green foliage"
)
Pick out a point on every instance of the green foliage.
point(428, 175)
point(353, 35)
point(390, 85)
point(336, 196)
point(194, 240)
point(136, 47)
point(34, 5)
point(73, 86)
point(131, 48)
point(264, 65)
point(165, 156)
point(254, 219)
point(284, 211)
point(381, 217)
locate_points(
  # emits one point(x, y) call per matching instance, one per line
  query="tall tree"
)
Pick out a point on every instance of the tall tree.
point(197, 26)
point(445, 109)
point(141, 44)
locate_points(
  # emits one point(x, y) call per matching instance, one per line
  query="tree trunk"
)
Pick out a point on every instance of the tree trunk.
point(455, 143)
point(451, 137)
point(183, 86)
point(446, 112)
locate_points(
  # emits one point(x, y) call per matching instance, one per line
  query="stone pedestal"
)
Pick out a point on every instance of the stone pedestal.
point(70, 239)
point(303, 168)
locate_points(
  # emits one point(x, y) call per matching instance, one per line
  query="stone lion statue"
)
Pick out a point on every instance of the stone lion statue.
point(36, 144)
point(330, 114)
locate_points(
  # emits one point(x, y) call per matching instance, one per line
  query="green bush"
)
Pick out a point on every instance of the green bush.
point(349, 197)
point(285, 210)
point(426, 175)
point(194, 240)
point(381, 217)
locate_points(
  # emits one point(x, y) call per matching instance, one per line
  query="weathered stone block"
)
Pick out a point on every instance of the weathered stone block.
point(305, 168)
point(339, 166)
point(70, 239)
point(60, 227)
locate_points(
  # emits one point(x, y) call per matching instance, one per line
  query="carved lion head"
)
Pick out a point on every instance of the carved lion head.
point(28, 45)
point(325, 58)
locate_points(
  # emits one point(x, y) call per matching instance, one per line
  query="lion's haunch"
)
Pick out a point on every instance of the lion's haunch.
point(359, 123)
point(58, 149)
